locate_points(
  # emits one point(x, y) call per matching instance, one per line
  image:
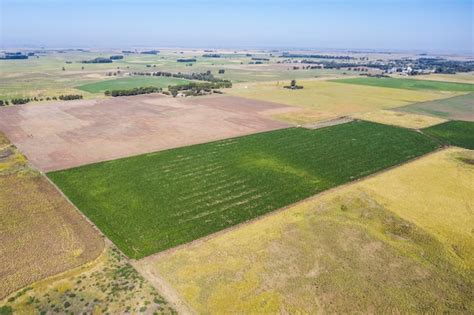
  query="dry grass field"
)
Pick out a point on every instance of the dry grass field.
point(399, 242)
point(467, 77)
point(321, 100)
point(406, 120)
point(61, 135)
point(107, 285)
point(41, 234)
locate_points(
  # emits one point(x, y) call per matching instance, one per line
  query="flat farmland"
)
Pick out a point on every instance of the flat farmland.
point(41, 234)
point(321, 100)
point(398, 242)
point(458, 133)
point(410, 84)
point(397, 118)
point(156, 201)
point(60, 135)
point(130, 83)
point(466, 77)
point(456, 108)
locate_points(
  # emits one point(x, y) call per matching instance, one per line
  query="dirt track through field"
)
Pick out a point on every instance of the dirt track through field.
point(62, 135)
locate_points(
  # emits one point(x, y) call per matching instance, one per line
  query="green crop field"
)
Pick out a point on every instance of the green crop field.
point(410, 84)
point(130, 83)
point(152, 202)
point(456, 108)
point(458, 133)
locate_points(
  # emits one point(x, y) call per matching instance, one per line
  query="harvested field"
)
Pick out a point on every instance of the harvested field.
point(324, 100)
point(66, 134)
point(410, 84)
point(398, 242)
point(406, 120)
point(41, 234)
point(456, 108)
point(466, 77)
point(108, 284)
point(153, 202)
point(458, 133)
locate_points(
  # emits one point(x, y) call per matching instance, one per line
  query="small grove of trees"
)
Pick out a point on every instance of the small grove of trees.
point(293, 86)
point(196, 88)
point(70, 97)
point(221, 71)
point(116, 57)
point(134, 91)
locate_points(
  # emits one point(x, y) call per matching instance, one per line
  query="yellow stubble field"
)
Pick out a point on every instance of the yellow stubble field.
point(321, 100)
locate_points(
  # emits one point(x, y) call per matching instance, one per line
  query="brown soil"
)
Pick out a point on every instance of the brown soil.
point(62, 135)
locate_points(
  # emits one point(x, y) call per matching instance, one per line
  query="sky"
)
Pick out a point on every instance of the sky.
point(410, 25)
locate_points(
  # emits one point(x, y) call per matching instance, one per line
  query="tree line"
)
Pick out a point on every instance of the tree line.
point(134, 91)
point(203, 76)
point(20, 101)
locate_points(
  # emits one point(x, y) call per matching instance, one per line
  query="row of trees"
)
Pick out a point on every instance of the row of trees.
point(98, 60)
point(203, 76)
point(186, 60)
point(20, 101)
point(134, 91)
point(287, 55)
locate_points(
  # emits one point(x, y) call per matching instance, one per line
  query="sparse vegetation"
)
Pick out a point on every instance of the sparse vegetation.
point(108, 284)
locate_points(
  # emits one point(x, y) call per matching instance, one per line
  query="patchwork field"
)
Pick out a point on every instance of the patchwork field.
point(108, 284)
point(41, 234)
point(399, 242)
point(457, 108)
point(458, 133)
point(410, 84)
point(321, 100)
point(152, 202)
point(406, 120)
point(60, 135)
point(130, 83)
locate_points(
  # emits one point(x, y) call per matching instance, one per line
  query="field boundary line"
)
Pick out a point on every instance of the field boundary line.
point(277, 211)
point(164, 288)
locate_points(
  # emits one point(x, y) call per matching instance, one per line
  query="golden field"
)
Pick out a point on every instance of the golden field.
point(41, 234)
point(406, 120)
point(398, 242)
point(466, 77)
point(321, 100)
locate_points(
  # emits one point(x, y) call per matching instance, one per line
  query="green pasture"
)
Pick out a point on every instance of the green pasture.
point(152, 202)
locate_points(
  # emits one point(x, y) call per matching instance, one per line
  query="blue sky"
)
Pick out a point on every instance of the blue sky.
point(428, 25)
